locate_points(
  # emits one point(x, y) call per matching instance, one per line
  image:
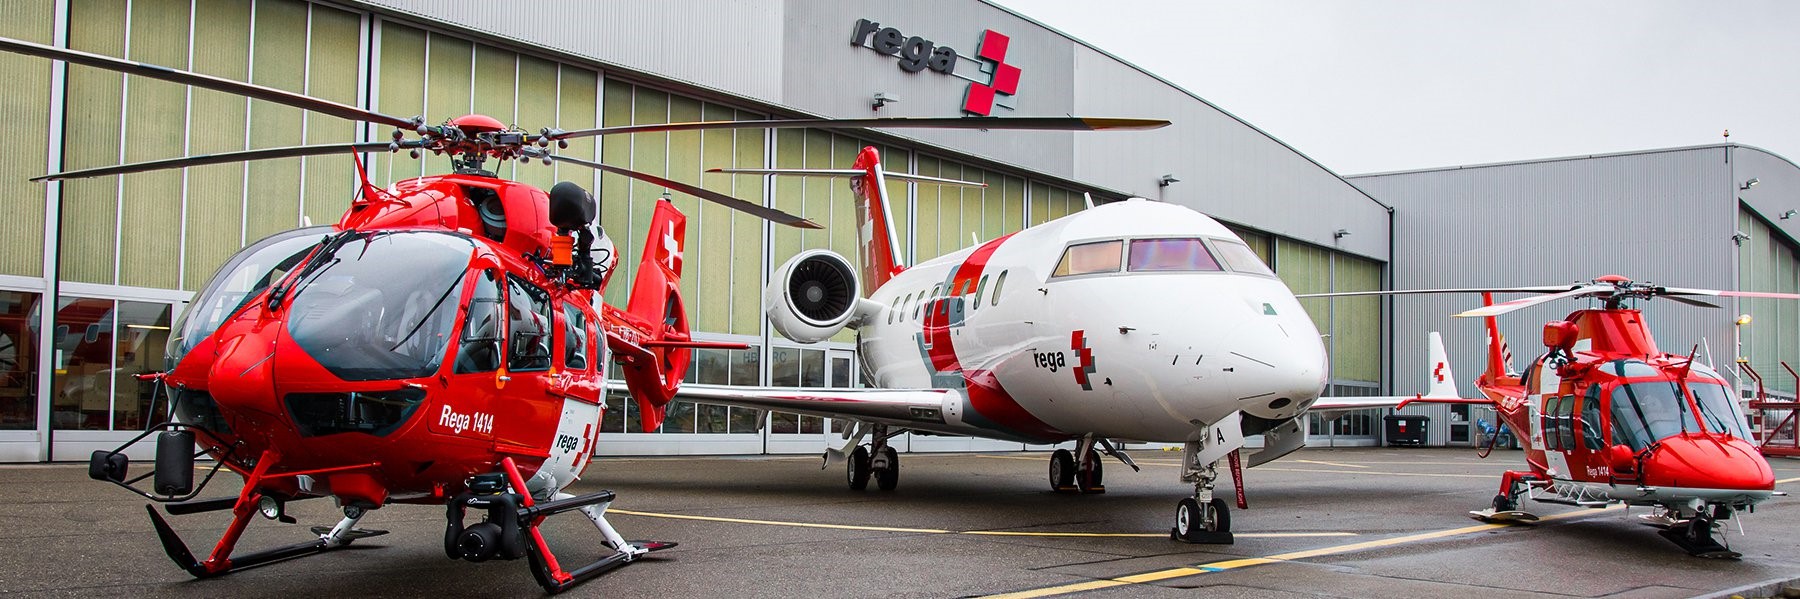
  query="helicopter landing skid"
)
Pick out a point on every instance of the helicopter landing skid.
point(1508, 517)
point(1696, 537)
point(220, 562)
point(544, 566)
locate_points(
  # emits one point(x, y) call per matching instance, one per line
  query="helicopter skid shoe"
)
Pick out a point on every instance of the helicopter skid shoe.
point(1507, 517)
point(1696, 537)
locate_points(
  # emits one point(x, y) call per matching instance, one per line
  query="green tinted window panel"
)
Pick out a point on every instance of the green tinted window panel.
point(816, 199)
point(992, 201)
point(840, 219)
point(709, 231)
point(579, 109)
point(448, 87)
point(897, 193)
point(615, 190)
point(495, 78)
point(747, 232)
point(90, 206)
point(155, 128)
point(685, 166)
point(649, 154)
point(1357, 330)
point(1306, 269)
point(1012, 197)
point(401, 92)
point(23, 108)
point(928, 203)
point(790, 192)
point(215, 193)
point(331, 74)
point(537, 107)
point(960, 211)
point(1039, 201)
point(278, 61)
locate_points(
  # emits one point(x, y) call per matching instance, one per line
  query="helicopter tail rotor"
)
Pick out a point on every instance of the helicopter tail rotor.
point(654, 365)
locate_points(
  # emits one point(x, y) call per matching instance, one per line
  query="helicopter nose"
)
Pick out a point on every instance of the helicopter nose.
point(1708, 462)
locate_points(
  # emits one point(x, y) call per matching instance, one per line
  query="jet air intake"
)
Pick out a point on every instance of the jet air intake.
point(812, 296)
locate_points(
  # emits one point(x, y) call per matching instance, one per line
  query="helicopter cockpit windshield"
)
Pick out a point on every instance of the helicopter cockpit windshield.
point(239, 280)
point(384, 306)
point(1644, 412)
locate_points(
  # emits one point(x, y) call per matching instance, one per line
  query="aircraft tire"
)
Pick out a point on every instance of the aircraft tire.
point(857, 468)
point(1093, 482)
point(1062, 470)
point(1222, 516)
point(1187, 520)
point(889, 477)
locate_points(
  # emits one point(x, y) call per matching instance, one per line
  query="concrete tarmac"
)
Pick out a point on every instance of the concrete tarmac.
point(1335, 523)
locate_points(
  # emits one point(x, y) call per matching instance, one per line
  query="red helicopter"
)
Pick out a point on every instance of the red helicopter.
point(1607, 418)
point(439, 345)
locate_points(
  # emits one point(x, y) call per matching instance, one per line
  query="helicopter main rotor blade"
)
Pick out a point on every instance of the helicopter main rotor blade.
point(1542, 289)
point(1689, 301)
point(207, 81)
point(205, 159)
point(1053, 123)
point(1673, 291)
point(744, 206)
point(1504, 307)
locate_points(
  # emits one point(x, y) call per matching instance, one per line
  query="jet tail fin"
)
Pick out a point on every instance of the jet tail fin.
point(1440, 383)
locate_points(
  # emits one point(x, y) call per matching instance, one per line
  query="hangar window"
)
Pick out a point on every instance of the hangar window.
point(1090, 258)
point(1162, 255)
point(1241, 258)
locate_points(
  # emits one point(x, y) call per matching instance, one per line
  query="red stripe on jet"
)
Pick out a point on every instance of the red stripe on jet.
point(986, 395)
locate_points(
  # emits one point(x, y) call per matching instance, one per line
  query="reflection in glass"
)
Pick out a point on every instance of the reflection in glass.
point(143, 334)
point(1153, 255)
point(18, 360)
point(1089, 258)
point(83, 363)
point(382, 306)
point(239, 280)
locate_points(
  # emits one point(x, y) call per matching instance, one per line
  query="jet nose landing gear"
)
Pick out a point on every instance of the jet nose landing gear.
point(1204, 518)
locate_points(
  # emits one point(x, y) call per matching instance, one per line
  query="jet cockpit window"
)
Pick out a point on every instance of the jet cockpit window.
point(381, 306)
point(1090, 258)
point(1717, 410)
point(1241, 258)
point(1164, 255)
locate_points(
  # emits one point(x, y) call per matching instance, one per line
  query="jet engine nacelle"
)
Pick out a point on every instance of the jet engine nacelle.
point(812, 297)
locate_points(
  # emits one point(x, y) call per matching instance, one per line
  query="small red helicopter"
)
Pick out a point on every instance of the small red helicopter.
point(1608, 418)
point(438, 345)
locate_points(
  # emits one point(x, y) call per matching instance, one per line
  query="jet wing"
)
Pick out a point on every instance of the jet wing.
point(923, 409)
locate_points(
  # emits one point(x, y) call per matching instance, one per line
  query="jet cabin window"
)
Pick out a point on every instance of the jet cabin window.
point(1089, 258)
point(528, 311)
point(1166, 255)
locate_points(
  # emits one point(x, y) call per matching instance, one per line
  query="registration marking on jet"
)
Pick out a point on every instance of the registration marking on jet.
point(987, 533)
point(1220, 566)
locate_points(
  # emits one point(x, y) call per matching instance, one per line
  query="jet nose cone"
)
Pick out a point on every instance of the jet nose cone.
point(1284, 373)
point(1708, 462)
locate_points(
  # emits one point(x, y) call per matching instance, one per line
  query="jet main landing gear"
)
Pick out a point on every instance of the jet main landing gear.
point(1087, 477)
point(878, 460)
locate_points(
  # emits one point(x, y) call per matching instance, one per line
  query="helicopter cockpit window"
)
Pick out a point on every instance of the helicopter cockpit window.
point(480, 350)
point(1165, 255)
point(1590, 419)
point(1717, 410)
point(1629, 368)
point(383, 305)
point(1090, 258)
point(575, 338)
point(1550, 423)
point(241, 279)
point(1646, 412)
point(528, 311)
point(1241, 259)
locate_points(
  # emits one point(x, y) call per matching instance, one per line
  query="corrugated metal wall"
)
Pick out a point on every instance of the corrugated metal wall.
point(1663, 216)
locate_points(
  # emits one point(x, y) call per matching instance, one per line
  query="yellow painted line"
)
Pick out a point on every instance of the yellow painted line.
point(1787, 480)
point(939, 531)
point(1220, 566)
point(1327, 463)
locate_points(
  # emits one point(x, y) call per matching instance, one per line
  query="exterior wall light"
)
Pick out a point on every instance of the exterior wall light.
point(1749, 184)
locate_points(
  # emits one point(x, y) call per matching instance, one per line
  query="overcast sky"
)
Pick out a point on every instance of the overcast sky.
point(1371, 86)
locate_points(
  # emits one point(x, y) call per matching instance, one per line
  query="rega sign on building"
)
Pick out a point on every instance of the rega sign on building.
point(997, 80)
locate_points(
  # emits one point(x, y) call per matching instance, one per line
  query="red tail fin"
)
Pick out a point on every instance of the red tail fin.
point(879, 247)
point(653, 367)
point(1499, 356)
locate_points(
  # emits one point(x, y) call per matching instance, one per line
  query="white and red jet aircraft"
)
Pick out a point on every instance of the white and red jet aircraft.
point(1134, 320)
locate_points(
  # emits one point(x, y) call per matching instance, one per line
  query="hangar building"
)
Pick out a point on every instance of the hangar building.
point(1717, 217)
point(118, 257)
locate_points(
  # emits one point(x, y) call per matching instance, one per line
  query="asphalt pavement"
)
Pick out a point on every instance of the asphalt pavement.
point(1372, 522)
